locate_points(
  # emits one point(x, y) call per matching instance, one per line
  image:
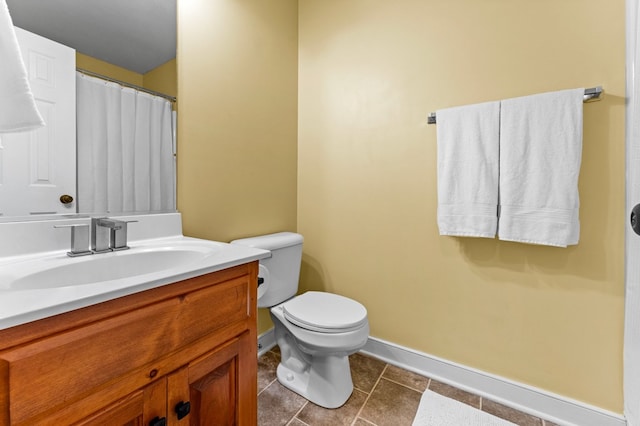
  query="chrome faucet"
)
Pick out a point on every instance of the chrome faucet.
point(108, 234)
point(79, 239)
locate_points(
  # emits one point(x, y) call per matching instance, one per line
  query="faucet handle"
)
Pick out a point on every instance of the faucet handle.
point(99, 236)
point(79, 239)
point(118, 240)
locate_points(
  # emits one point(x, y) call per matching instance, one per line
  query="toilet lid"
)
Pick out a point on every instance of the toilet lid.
point(325, 312)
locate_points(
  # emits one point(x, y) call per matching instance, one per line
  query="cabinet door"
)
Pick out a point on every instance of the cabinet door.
point(205, 392)
point(144, 407)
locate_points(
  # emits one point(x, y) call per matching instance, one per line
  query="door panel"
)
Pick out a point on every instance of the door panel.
point(39, 166)
point(213, 397)
point(209, 385)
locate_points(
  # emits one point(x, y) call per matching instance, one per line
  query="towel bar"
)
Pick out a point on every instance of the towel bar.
point(590, 94)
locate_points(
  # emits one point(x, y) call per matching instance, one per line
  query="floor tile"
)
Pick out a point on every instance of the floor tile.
point(407, 378)
point(365, 371)
point(391, 404)
point(508, 413)
point(277, 405)
point(360, 422)
point(394, 395)
point(315, 415)
point(267, 366)
point(455, 393)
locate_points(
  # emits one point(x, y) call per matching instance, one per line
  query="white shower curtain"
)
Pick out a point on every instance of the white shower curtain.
point(632, 245)
point(125, 149)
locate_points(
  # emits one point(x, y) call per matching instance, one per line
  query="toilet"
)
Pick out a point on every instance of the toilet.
point(316, 331)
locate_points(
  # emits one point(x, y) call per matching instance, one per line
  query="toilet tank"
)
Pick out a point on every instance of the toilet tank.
point(281, 271)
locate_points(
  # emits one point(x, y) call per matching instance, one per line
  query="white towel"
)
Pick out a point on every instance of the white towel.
point(540, 155)
point(18, 110)
point(468, 144)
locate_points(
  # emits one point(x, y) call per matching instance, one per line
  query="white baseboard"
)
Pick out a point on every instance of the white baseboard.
point(538, 402)
point(266, 341)
point(547, 405)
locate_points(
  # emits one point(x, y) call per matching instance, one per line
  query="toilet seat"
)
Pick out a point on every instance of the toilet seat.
point(325, 312)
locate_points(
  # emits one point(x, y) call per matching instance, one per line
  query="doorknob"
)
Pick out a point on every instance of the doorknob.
point(66, 199)
point(635, 219)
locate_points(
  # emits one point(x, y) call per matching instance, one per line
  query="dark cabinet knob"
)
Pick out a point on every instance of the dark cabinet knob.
point(158, 421)
point(182, 409)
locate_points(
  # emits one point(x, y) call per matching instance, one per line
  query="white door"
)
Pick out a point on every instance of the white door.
point(38, 168)
point(632, 243)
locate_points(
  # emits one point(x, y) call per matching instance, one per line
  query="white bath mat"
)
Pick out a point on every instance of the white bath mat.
point(438, 410)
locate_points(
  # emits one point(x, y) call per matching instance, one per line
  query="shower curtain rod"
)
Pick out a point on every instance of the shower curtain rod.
point(590, 94)
point(125, 84)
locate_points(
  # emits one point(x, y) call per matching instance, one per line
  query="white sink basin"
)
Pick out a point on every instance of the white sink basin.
point(37, 286)
point(65, 272)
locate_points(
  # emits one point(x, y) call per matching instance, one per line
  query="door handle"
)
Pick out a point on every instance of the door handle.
point(635, 219)
point(66, 199)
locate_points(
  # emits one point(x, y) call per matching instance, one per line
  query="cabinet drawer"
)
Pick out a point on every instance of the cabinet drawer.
point(58, 370)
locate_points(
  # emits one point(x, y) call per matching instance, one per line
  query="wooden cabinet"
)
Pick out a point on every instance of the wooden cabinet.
point(208, 383)
point(133, 409)
point(181, 354)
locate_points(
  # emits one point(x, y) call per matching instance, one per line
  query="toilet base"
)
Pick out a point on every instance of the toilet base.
point(315, 365)
point(326, 381)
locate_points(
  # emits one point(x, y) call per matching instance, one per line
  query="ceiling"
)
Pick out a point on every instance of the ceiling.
point(138, 35)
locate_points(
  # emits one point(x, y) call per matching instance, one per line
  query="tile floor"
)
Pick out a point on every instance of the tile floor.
point(383, 395)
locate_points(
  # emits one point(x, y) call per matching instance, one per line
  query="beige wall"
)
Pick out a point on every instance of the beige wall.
point(237, 131)
point(163, 79)
point(369, 73)
point(92, 64)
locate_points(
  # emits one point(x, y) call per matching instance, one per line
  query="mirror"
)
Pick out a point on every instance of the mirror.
point(139, 38)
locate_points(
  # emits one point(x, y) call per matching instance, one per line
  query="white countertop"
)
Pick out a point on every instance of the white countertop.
point(22, 305)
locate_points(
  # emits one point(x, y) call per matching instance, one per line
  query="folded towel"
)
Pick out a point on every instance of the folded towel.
point(540, 155)
point(468, 149)
point(18, 110)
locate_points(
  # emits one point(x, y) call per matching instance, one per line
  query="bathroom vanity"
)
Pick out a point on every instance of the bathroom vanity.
point(181, 352)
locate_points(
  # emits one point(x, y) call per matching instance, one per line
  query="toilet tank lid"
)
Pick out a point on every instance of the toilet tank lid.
point(271, 241)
